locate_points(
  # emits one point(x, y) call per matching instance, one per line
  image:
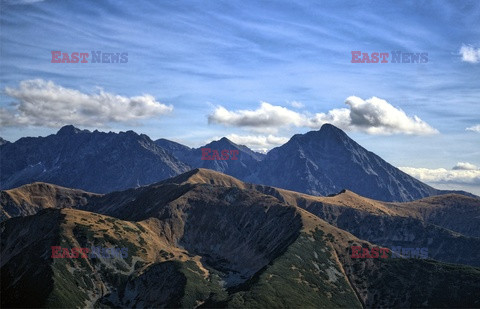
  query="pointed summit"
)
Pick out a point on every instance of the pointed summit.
point(328, 131)
point(225, 143)
point(328, 135)
point(222, 143)
point(225, 140)
point(331, 130)
point(69, 130)
point(326, 161)
point(327, 127)
point(239, 164)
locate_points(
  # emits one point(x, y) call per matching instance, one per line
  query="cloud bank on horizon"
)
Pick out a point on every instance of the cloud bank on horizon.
point(463, 173)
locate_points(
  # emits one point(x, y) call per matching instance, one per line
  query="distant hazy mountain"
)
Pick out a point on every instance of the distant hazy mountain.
point(176, 149)
point(319, 162)
point(93, 161)
point(246, 163)
point(205, 239)
point(326, 161)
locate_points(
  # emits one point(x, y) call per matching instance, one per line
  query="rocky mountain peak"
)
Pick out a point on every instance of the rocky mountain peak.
point(223, 142)
point(69, 130)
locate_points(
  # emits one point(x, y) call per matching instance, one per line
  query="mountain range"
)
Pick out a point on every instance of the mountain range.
point(247, 162)
point(319, 162)
point(93, 161)
point(205, 239)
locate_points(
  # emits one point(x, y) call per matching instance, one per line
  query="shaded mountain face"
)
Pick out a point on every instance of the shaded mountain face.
point(319, 163)
point(445, 224)
point(178, 150)
point(187, 250)
point(207, 239)
point(3, 142)
point(418, 224)
point(326, 161)
point(239, 164)
point(455, 212)
point(93, 161)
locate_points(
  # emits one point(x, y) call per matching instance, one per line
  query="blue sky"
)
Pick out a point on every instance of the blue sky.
point(200, 70)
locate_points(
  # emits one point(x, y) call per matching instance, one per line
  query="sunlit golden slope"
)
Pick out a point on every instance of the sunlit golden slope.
point(29, 199)
point(217, 245)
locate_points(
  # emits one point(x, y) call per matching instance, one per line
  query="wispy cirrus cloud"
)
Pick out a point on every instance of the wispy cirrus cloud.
point(46, 104)
point(372, 116)
point(14, 2)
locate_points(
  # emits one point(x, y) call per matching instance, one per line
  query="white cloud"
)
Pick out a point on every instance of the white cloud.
point(457, 175)
point(267, 118)
point(470, 53)
point(258, 142)
point(475, 128)
point(465, 166)
point(43, 103)
point(297, 104)
point(372, 116)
